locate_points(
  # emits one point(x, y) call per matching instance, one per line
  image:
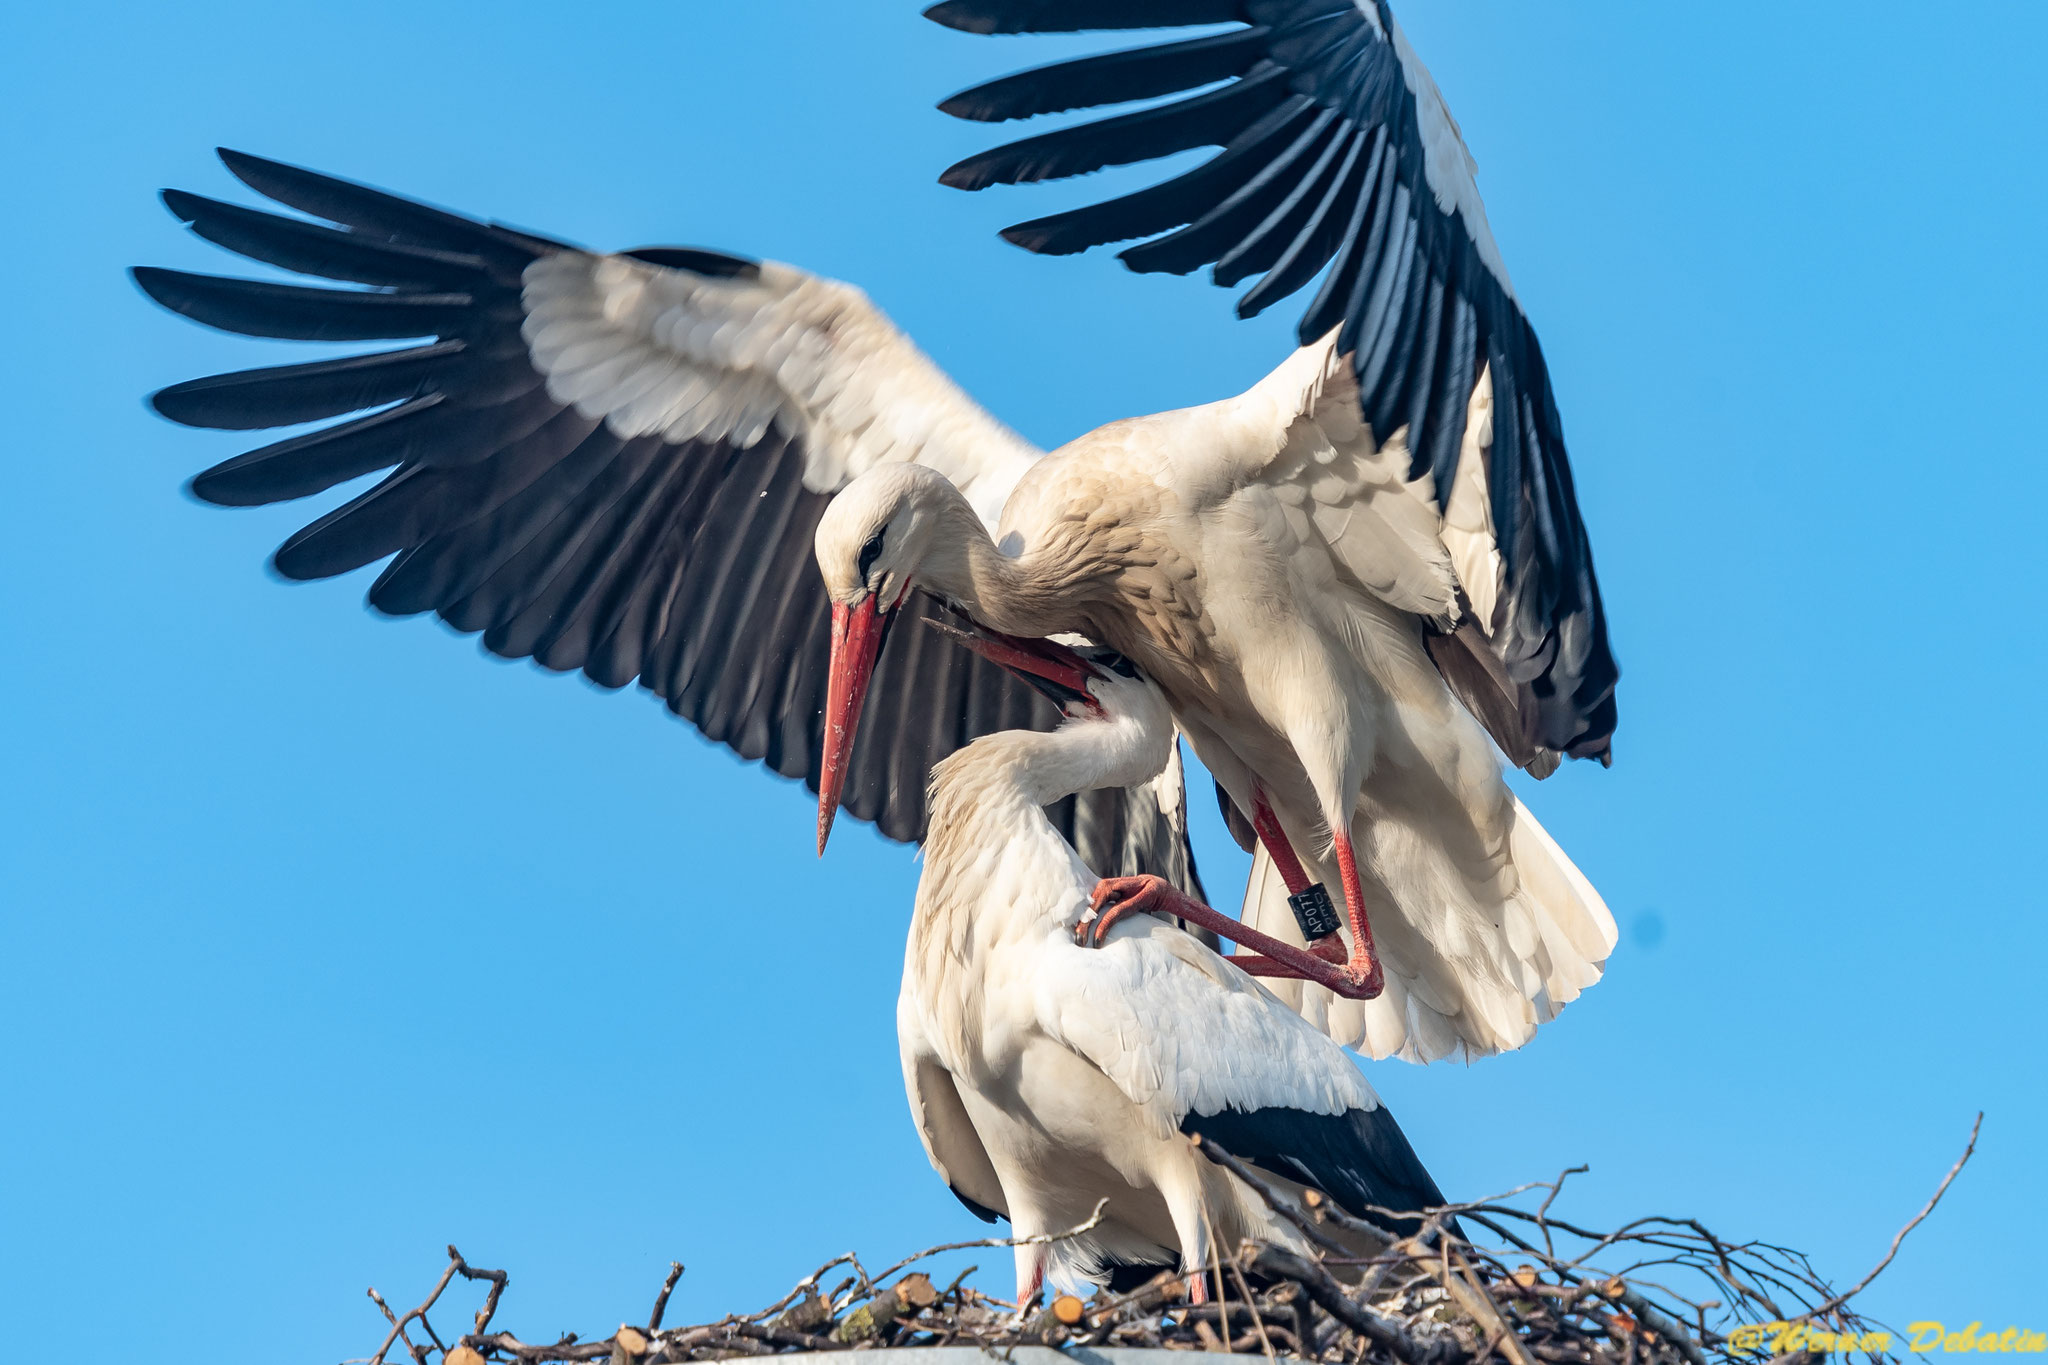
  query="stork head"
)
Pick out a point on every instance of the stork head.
point(893, 526)
point(881, 530)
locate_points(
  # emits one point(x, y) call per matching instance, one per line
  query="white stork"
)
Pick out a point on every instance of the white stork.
point(1045, 1078)
point(617, 463)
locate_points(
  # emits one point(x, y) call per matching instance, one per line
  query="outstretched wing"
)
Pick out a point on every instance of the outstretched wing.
point(1385, 530)
point(606, 463)
point(1338, 158)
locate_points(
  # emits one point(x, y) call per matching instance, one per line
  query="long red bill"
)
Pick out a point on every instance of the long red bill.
point(1055, 671)
point(856, 639)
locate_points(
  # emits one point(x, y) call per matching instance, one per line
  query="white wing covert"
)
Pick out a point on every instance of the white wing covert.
point(662, 351)
point(1181, 1032)
point(1383, 527)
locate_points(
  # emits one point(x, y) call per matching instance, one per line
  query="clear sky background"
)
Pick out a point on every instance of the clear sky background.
point(329, 941)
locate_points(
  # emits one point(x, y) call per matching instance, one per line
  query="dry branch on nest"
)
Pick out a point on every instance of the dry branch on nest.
point(1536, 1291)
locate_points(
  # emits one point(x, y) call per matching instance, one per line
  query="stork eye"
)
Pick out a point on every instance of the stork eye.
point(871, 552)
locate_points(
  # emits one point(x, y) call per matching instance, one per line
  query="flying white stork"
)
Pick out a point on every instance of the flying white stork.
point(1045, 1078)
point(616, 462)
point(1345, 579)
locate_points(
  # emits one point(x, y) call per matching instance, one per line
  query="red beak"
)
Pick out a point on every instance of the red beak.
point(1040, 662)
point(1055, 671)
point(856, 640)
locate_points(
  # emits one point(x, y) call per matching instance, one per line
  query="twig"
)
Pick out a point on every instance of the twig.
point(1275, 1200)
point(1836, 1302)
point(1381, 1331)
point(675, 1272)
point(807, 1283)
point(1543, 1209)
point(398, 1323)
point(418, 1353)
point(1459, 1281)
point(1039, 1239)
point(498, 1279)
point(1258, 1320)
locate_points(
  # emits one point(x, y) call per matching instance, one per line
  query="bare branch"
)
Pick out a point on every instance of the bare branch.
point(1832, 1304)
point(675, 1272)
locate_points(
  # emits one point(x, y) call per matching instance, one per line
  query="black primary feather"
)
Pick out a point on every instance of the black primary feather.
point(685, 565)
point(1417, 306)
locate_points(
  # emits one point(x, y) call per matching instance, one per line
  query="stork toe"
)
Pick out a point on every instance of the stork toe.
point(1114, 898)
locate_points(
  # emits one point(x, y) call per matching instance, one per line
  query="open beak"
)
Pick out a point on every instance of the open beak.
point(857, 633)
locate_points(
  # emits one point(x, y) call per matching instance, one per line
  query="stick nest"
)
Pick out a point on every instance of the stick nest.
point(1502, 1278)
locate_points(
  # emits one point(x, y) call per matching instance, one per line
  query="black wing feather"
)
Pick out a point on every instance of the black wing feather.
point(1418, 308)
point(284, 395)
point(1239, 213)
point(1198, 121)
point(1170, 203)
point(685, 565)
point(1076, 16)
point(310, 249)
point(1360, 1158)
point(1112, 78)
point(294, 312)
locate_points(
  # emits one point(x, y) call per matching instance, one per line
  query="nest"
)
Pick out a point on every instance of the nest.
point(1501, 1277)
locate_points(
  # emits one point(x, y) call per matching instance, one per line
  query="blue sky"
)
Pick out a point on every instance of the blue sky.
point(331, 941)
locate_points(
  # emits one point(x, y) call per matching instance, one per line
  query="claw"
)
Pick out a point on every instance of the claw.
point(1116, 897)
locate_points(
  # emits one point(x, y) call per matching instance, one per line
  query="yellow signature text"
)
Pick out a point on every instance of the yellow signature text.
point(1777, 1338)
point(1781, 1337)
point(1933, 1336)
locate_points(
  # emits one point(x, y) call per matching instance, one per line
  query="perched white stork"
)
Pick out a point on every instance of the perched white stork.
point(617, 463)
point(1045, 1077)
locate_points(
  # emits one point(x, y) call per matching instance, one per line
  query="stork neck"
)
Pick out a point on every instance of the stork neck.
point(1007, 592)
point(1000, 783)
point(995, 867)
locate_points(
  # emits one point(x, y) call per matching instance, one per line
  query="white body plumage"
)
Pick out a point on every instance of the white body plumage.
point(1045, 1077)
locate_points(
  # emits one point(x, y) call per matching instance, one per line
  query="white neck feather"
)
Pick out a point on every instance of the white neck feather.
point(1042, 767)
point(964, 566)
point(990, 840)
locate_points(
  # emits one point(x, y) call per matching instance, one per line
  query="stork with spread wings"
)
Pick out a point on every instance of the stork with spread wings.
point(1344, 580)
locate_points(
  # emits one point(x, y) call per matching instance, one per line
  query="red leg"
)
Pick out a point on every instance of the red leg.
point(1116, 897)
point(1277, 848)
point(1364, 966)
point(1027, 1289)
point(1329, 947)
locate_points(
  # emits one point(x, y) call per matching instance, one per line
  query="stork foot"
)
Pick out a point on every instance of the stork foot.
point(1114, 898)
point(1364, 976)
point(1354, 976)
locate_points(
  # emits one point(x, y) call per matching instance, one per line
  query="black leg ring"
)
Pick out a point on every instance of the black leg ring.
point(1314, 912)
